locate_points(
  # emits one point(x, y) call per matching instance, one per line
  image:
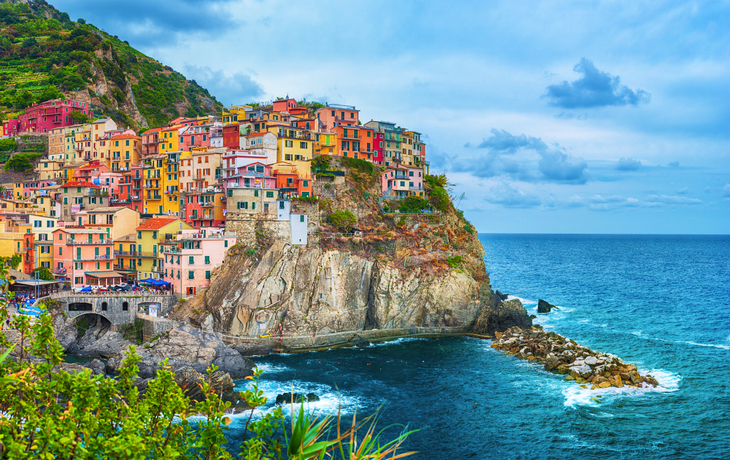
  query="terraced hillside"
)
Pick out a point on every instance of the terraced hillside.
point(43, 53)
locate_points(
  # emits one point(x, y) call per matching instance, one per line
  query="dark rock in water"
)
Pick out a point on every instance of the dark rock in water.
point(501, 315)
point(189, 380)
point(253, 349)
point(363, 343)
point(544, 307)
point(501, 296)
point(298, 398)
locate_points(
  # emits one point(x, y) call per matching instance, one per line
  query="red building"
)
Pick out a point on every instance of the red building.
point(45, 116)
point(232, 136)
point(284, 105)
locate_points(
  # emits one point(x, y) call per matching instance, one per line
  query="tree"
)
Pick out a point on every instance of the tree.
point(23, 100)
point(94, 416)
point(79, 117)
point(19, 163)
point(342, 220)
point(49, 92)
point(42, 273)
point(15, 261)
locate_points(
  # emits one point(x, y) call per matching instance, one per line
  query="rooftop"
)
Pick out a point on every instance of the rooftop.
point(157, 223)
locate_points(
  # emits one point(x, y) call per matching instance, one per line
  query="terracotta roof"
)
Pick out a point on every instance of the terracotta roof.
point(125, 136)
point(157, 223)
point(79, 183)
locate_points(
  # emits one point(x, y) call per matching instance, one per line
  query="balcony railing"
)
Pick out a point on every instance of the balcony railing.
point(73, 242)
point(136, 253)
point(94, 257)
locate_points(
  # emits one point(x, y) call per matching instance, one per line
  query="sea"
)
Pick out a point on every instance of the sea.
point(659, 301)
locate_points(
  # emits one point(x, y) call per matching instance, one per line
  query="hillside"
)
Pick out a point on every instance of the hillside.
point(43, 52)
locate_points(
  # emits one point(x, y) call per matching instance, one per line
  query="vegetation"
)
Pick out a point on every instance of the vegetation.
point(21, 161)
point(7, 145)
point(343, 220)
point(43, 54)
point(454, 261)
point(94, 416)
point(42, 273)
point(413, 204)
point(356, 164)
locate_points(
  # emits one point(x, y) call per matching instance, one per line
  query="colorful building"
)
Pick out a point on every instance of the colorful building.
point(150, 235)
point(401, 181)
point(43, 117)
point(189, 258)
point(84, 257)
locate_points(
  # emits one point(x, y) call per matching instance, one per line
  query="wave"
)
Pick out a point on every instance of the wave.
point(396, 341)
point(524, 301)
point(577, 396)
point(724, 347)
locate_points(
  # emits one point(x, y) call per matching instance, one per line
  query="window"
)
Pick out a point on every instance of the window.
point(225, 243)
point(207, 274)
point(191, 275)
point(301, 218)
point(305, 183)
point(253, 205)
point(191, 260)
point(269, 194)
point(125, 306)
point(281, 205)
point(154, 235)
point(302, 145)
point(207, 260)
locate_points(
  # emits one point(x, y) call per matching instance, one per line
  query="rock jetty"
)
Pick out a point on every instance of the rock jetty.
point(561, 355)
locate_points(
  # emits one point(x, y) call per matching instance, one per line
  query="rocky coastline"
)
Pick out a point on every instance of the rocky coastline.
point(560, 355)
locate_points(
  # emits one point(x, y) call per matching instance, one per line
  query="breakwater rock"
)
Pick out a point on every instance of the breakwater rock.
point(561, 355)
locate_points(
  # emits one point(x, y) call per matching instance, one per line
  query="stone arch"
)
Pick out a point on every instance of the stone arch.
point(125, 306)
point(88, 320)
point(104, 306)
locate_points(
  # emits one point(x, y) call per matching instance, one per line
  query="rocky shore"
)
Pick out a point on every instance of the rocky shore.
point(560, 355)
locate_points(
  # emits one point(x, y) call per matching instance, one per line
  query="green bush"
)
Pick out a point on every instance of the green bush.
point(343, 220)
point(454, 261)
point(359, 165)
point(7, 145)
point(440, 198)
point(413, 204)
point(21, 162)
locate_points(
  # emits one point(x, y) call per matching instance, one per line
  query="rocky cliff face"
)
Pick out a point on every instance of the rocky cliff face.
point(394, 272)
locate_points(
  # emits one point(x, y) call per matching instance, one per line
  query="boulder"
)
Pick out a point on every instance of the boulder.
point(186, 346)
point(222, 384)
point(65, 331)
point(499, 318)
point(298, 398)
point(253, 349)
point(544, 307)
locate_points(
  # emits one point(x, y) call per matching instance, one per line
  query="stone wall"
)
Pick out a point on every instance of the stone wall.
point(111, 306)
point(152, 326)
point(246, 225)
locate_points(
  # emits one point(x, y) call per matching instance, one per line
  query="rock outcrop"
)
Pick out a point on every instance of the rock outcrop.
point(296, 398)
point(564, 356)
point(187, 346)
point(501, 315)
point(545, 307)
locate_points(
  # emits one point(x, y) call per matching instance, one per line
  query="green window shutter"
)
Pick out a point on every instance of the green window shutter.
point(207, 274)
point(225, 243)
point(191, 275)
point(207, 260)
point(191, 260)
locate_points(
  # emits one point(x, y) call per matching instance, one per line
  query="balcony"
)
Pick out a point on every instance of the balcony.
point(72, 242)
point(94, 257)
point(208, 204)
point(199, 177)
point(139, 254)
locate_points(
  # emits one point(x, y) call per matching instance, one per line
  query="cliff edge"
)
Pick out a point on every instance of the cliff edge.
point(391, 274)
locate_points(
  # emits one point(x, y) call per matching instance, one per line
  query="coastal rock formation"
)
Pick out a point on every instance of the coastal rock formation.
point(221, 383)
point(564, 356)
point(65, 331)
point(296, 398)
point(187, 346)
point(544, 307)
point(501, 315)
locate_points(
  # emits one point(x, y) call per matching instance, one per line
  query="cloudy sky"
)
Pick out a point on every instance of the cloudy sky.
point(554, 117)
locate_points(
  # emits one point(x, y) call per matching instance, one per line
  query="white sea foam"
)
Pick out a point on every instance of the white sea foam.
point(271, 368)
point(396, 341)
point(724, 347)
point(577, 396)
point(524, 301)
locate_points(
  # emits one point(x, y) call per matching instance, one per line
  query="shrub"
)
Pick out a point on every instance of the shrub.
point(454, 261)
point(413, 204)
point(343, 220)
point(7, 145)
point(440, 198)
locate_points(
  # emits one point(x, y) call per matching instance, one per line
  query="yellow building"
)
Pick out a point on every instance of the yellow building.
point(49, 169)
point(68, 171)
point(42, 227)
point(56, 150)
point(149, 237)
point(170, 139)
point(152, 195)
point(10, 242)
point(171, 184)
point(83, 144)
point(294, 145)
point(126, 151)
point(116, 221)
point(325, 144)
point(235, 114)
point(125, 256)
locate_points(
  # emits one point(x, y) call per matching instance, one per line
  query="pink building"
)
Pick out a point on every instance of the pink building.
point(378, 147)
point(254, 175)
point(401, 181)
point(33, 188)
point(45, 116)
point(188, 261)
point(233, 160)
point(194, 136)
point(84, 257)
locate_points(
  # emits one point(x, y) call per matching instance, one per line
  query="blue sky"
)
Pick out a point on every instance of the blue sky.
point(552, 117)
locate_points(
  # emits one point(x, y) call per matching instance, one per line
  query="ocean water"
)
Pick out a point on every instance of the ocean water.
point(662, 302)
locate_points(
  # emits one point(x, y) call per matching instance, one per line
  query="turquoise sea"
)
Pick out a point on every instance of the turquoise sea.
point(662, 302)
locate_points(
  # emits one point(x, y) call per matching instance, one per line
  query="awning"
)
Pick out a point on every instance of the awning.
point(104, 275)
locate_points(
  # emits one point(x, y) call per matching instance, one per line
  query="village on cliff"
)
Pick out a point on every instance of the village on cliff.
point(109, 206)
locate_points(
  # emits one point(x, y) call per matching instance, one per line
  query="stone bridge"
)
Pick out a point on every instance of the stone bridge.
point(118, 308)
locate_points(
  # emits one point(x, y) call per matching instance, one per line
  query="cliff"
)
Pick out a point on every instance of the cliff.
point(405, 273)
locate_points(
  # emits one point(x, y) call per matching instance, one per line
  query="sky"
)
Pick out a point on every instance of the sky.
point(548, 117)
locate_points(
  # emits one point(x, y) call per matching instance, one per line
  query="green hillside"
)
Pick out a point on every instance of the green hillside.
point(44, 53)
